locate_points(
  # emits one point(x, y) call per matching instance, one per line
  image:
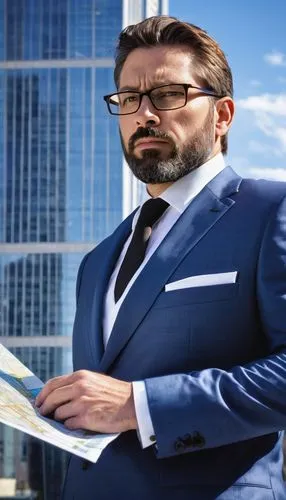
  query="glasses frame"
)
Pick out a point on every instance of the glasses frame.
point(148, 93)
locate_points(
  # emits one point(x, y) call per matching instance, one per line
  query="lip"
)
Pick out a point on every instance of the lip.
point(148, 143)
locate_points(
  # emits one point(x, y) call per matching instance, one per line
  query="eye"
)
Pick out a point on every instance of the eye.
point(171, 93)
point(129, 99)
point(168, 94)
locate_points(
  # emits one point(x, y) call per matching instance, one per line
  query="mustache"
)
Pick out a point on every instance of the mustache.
point(142, 133)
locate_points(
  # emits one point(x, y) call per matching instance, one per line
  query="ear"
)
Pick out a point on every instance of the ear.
point(224, 115)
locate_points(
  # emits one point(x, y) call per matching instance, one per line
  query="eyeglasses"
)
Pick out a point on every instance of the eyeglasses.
point(163, 98)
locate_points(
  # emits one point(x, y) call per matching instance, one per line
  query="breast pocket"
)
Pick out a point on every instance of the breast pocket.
point(196, 295)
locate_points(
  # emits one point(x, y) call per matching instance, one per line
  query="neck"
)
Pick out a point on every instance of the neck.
point(155, 190)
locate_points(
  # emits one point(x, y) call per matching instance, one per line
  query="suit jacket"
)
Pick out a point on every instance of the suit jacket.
point(213, 357)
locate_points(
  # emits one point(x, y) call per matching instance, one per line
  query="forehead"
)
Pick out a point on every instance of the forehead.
point(147, 67)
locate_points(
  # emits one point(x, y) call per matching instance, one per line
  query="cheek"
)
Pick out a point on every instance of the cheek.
point(181, 125)
point(125, 131)
point(187, 128)
point(182, 131)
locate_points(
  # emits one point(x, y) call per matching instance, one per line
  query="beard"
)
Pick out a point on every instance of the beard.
point(151, 168)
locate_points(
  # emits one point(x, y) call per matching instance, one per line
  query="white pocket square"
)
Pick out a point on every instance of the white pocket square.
point(202, 280)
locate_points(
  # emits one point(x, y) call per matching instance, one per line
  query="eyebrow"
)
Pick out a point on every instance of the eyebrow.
point(136, 89)
point(128, 87)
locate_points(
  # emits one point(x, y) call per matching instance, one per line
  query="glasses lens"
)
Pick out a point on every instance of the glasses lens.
point(124, 103)
point(169, 96)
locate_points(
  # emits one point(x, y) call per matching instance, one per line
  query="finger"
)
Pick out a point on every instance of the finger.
point(55, 399)
point(77, 422)
point(66, 411)
point(50, 386)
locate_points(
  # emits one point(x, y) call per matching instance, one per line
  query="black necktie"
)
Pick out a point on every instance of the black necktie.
point(151, 211)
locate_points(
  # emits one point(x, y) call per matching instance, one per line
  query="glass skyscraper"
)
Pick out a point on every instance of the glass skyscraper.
point(63, 186)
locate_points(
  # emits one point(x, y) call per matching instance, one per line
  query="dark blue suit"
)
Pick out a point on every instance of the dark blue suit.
point(213, 357)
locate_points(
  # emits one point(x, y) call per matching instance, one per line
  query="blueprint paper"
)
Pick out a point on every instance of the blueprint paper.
point(18, 390)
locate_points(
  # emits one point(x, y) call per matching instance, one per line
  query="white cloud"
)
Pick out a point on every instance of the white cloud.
point(275, 174)
point(274, 104)
point(269, 111)
point(275, 58)
point(264, 149)
point(243, 166)
point(281, 134)
point(271, 128)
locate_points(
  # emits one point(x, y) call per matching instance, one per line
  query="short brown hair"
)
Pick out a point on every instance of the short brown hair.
point(211, 64)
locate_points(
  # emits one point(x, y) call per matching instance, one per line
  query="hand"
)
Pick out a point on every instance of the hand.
point(89, 400)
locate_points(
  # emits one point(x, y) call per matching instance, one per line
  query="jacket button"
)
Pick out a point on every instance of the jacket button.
point(198, 440)
point(85, 464)
point(179, 445)
point(188, 440)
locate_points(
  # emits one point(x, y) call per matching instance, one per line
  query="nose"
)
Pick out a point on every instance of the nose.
point(147, 115)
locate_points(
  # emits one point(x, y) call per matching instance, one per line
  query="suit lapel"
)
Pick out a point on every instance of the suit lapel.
point(110, 251)
point(206, 209)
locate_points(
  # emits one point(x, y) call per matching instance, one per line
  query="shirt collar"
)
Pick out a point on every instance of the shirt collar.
point(180, 194)
point(183, 191)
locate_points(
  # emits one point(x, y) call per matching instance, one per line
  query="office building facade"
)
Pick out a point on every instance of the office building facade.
point(63, 185)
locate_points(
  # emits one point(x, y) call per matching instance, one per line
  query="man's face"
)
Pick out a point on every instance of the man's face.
point(163, 146)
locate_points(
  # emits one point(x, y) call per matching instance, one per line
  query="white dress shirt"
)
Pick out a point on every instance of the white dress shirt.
point(179, 195)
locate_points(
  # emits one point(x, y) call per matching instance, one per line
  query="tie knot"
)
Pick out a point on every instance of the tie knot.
point(151, 211)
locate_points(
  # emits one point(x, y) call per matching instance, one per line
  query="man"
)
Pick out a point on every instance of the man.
point(180, 329)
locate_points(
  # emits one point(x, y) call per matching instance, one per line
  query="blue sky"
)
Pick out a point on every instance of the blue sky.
point(253, 35)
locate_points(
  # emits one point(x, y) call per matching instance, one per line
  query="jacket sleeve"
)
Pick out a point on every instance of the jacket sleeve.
point(79, 275)
point(213, 407)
